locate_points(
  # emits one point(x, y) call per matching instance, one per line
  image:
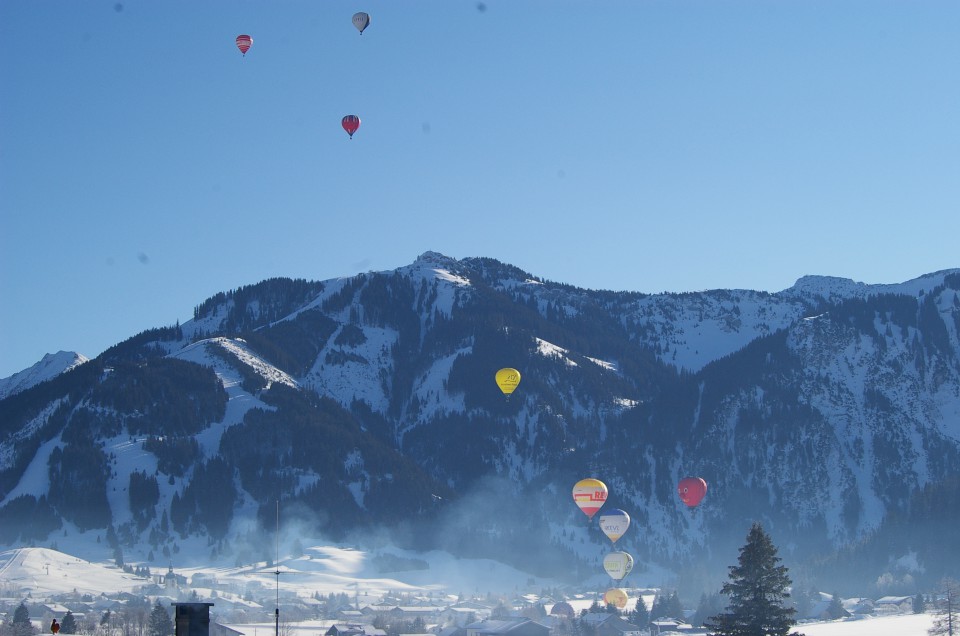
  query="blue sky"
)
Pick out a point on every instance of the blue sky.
point(670, 145)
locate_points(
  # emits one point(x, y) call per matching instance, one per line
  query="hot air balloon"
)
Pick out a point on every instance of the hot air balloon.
point(507, 380)
point(361, 20)
point(618, 565)
point(244, 42)
point(589, 494)
point(614, 524)
point(691, 490)
point(616, 597)
point(350, 123)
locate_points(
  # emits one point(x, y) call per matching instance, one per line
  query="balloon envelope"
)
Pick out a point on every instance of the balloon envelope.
point(589, 494)
point(618, 565)
point(614, 524)
point(691, 490)
point(507, 380)
point(350, 123)
point(244, 42)
point(615, 597)
point(361, 20)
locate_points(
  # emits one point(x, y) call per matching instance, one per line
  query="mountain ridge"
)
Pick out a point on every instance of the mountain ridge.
point(825, 409)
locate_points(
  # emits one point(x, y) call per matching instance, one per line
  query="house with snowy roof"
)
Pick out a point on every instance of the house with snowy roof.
point(217, 629)
point(515, 626)
point(894, 605)
point(350, 615)
point(353, 629)
point(605, 624)
point(858, 605)
point(664, 626)
point(413, 612)
point(616, 626)
point(460, 616)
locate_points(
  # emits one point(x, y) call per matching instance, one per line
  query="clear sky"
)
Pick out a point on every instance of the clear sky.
point(668, 145)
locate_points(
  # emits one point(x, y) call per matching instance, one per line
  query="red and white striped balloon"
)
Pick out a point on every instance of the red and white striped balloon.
point(244, 42)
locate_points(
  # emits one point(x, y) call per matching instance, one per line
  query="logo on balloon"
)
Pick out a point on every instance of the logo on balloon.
point(508, 379)
point(614, 524)
point(618, 565)
point(589, 495)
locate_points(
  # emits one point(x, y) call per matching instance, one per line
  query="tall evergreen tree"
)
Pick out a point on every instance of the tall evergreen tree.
point(835, 608)
point(710, 604)
point(160, 623)
point(640, 616)
point(947, 603)
point(69, 624)
point(757, 589)
point(20, 624)
point(21, 616)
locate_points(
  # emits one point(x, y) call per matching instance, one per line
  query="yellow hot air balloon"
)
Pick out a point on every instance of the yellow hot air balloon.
point(589, 495)
point(507, 380)
point(616, 597)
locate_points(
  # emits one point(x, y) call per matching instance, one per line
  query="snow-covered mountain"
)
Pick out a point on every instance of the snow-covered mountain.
point(366, 406)
point(50, 366)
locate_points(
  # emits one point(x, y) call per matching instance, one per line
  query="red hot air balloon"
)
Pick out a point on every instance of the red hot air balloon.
point(691, 490)
point(350, 123)
point(244, 42)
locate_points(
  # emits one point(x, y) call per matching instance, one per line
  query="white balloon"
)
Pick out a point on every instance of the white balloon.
point(614, 524)
point(618, 565)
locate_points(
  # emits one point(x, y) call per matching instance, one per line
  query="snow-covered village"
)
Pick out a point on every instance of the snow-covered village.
point(301, 597)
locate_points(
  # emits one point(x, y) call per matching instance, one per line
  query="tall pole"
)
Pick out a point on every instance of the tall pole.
point(276, 612)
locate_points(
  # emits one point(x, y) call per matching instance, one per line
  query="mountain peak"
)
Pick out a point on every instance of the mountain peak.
point(50, 366)
point(836, 288)
point(435, 259)
point(828, 287)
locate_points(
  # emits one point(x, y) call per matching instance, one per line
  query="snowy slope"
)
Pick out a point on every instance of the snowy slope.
point(50, 366)
point(42, 572)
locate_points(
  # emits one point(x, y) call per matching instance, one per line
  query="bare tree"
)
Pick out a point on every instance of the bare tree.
point(947, 612)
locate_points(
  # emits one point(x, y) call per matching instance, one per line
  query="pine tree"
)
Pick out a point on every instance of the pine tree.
point(710, 604)
point(672, 608)
point(21, 616)
point(835, 608)
point(657, 609)
point(947, 603)
point(20, 624)
point(160, 623)
point(69, 624)
point(756, 589)
point(640, 615)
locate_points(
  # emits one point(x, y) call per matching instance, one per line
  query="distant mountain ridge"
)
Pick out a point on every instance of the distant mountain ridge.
point(829, 410)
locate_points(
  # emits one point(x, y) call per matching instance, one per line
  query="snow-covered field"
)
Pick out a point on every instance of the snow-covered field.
point(906, 625)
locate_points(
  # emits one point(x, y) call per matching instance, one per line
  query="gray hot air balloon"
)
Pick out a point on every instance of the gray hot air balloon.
point(361, 20)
